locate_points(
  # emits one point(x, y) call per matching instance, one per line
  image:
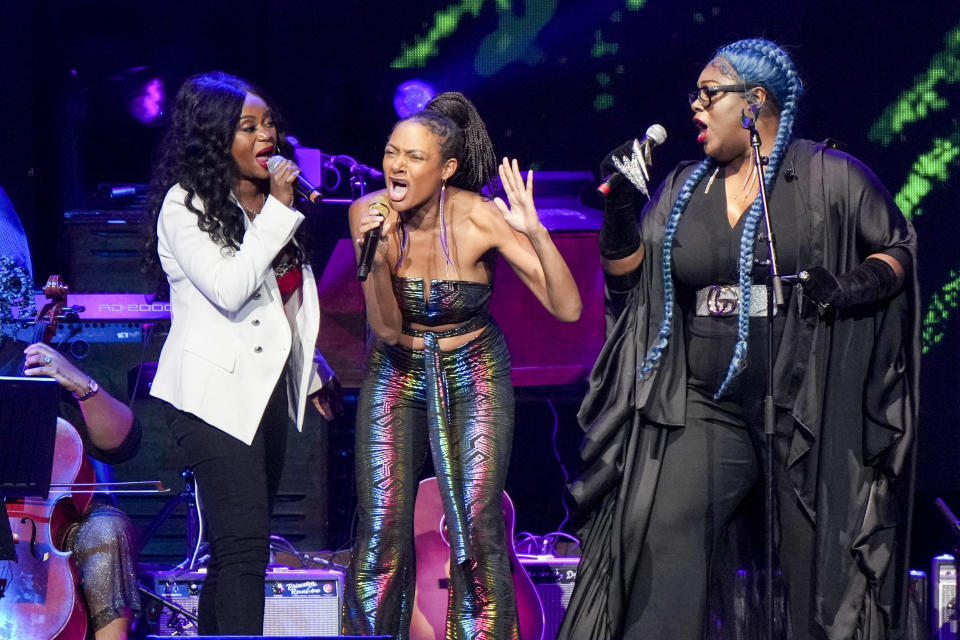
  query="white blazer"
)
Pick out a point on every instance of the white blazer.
point(229, 335)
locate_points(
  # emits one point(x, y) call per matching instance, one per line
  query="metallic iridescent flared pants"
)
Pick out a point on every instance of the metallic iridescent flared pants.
point(459, 405)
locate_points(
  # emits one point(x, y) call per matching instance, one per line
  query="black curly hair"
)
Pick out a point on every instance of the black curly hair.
point(196, 153)
point(455, 121)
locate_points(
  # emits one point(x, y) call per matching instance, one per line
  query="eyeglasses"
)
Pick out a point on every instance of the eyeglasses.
point(706, 94)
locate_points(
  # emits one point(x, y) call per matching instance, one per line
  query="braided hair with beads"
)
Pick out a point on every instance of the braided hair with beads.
point(755, 62)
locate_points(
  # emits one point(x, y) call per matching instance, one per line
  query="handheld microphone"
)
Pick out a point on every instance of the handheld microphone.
point(300, 185)
point(370, 241)
point(654, 137)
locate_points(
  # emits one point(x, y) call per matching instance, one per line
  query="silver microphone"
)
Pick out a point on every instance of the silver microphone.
point(301, 185)
point(654, 137)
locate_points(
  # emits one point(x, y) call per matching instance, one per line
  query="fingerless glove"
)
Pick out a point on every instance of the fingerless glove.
point(872, 281)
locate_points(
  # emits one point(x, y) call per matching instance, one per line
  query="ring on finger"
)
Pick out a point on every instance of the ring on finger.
point(47, 360)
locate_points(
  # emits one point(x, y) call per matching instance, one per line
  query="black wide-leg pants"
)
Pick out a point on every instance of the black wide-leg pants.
point(708, 468)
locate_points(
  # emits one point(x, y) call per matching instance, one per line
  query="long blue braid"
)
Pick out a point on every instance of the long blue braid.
point(758, 62)
point(686, 191)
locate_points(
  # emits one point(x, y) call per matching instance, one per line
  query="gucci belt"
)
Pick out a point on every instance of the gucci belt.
point(723, 300)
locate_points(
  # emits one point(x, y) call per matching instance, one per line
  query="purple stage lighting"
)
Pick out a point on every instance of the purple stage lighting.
point(147, 104)
point(412, 96)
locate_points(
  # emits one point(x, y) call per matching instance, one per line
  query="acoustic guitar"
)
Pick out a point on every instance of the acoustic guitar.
point(429, 617)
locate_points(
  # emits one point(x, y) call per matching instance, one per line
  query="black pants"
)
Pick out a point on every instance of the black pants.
point(236, 485)
point(708, 468)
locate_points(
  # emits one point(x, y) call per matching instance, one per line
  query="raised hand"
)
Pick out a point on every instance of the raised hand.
point(521, 214)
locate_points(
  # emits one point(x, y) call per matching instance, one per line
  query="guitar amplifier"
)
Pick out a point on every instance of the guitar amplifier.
point(553, 577)
point(104, 249)
point(943, 598)
point(298, 602)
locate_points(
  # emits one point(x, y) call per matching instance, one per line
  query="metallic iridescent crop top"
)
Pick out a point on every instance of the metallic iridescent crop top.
point(459, 302)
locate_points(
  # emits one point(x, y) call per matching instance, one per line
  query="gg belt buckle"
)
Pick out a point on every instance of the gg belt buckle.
point(722, 300)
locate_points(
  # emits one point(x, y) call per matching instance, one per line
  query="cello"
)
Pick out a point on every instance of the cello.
point(41, 599)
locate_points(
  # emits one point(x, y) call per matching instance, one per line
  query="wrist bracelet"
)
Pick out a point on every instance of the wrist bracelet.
point(94, 388)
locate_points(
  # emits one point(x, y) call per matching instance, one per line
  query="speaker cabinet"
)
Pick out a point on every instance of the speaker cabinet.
point(943, 598)
point(299, 602)
point(105, 249)
point(553, 577)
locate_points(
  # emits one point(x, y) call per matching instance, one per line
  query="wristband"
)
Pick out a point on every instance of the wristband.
point(93, 389)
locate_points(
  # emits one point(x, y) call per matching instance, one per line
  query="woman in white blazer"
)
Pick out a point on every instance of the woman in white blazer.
point(238, 364)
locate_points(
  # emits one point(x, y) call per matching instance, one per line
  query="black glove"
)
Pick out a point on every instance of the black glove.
point(619, 235)
point(872, 281)
point(621, 190)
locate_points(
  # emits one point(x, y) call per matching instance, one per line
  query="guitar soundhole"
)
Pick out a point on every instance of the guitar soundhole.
point(442, 528)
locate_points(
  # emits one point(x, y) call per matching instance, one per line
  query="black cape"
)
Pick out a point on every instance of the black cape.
point(850, 462)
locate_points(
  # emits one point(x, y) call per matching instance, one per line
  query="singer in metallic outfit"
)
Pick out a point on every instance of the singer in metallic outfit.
point(239, 362)
point(673, 416)
point(438, 377)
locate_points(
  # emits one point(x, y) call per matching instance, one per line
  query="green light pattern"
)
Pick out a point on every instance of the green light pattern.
point(938, 312)
point(928, 169)
point(605, 98)
point(916, 103)
point(445, 23)
point(931, 168)
point(601, 48)
point(602, 102)
point(514, 39)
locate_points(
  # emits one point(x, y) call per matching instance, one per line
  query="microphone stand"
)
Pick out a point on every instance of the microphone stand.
point(954, 528)
point(774, 302)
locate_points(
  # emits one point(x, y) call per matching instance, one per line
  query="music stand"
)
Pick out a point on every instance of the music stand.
point(28, 428)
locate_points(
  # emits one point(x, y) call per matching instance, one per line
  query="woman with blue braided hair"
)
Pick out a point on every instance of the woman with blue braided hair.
point(673, 417)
